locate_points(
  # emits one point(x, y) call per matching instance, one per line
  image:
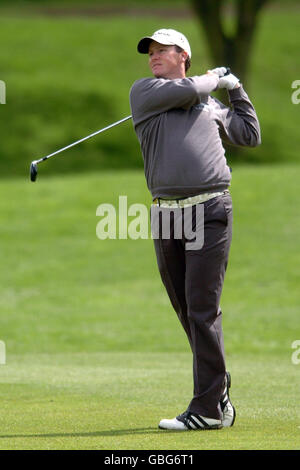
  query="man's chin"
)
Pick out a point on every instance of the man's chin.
point(158, 75)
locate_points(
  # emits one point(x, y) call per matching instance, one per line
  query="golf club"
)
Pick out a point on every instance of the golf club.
point(34, 163)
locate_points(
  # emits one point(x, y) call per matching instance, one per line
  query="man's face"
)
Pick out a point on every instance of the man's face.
point(165, 61)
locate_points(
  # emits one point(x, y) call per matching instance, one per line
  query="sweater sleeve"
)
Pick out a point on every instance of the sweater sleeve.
point(153, 96)
point(239, 126)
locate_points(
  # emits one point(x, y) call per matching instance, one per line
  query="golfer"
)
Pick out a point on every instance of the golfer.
point(181, 127)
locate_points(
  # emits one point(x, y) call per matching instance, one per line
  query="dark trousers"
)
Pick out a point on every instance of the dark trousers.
point(194, 281)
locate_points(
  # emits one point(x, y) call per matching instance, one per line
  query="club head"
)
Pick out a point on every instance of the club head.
point(33, 171)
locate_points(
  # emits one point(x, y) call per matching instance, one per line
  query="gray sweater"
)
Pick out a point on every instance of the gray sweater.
point(181, 127)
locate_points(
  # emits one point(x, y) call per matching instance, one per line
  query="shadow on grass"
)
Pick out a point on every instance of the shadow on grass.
point(115, 432)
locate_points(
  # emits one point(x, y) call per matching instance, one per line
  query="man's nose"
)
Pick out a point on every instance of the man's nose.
point(155, 55)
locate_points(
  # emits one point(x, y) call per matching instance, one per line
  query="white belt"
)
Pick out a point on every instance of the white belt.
point(188, 201)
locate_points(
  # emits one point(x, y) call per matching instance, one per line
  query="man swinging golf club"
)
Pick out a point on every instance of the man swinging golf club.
point(180, 127)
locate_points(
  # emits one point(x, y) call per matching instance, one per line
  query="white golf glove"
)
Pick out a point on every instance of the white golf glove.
point(220, 71)
point(228, 81)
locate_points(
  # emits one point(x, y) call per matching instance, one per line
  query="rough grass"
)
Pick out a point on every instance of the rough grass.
point(69, 76)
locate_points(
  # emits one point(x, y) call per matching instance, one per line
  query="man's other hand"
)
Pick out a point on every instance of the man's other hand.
point(229, 82)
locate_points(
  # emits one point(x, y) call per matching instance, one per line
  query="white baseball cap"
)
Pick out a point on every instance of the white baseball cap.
point(168, 37)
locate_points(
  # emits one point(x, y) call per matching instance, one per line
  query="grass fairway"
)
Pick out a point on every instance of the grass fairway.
point(115, 400)
point(95, 355)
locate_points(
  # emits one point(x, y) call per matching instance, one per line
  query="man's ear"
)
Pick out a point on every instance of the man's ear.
point(184, 55)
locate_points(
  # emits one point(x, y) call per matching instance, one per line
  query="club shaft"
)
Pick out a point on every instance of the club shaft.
point(84, 138)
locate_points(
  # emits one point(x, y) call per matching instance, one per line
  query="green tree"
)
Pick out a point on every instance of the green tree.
point(233, 47)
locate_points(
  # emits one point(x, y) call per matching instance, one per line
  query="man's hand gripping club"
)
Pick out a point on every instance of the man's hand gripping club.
point(227, 79)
